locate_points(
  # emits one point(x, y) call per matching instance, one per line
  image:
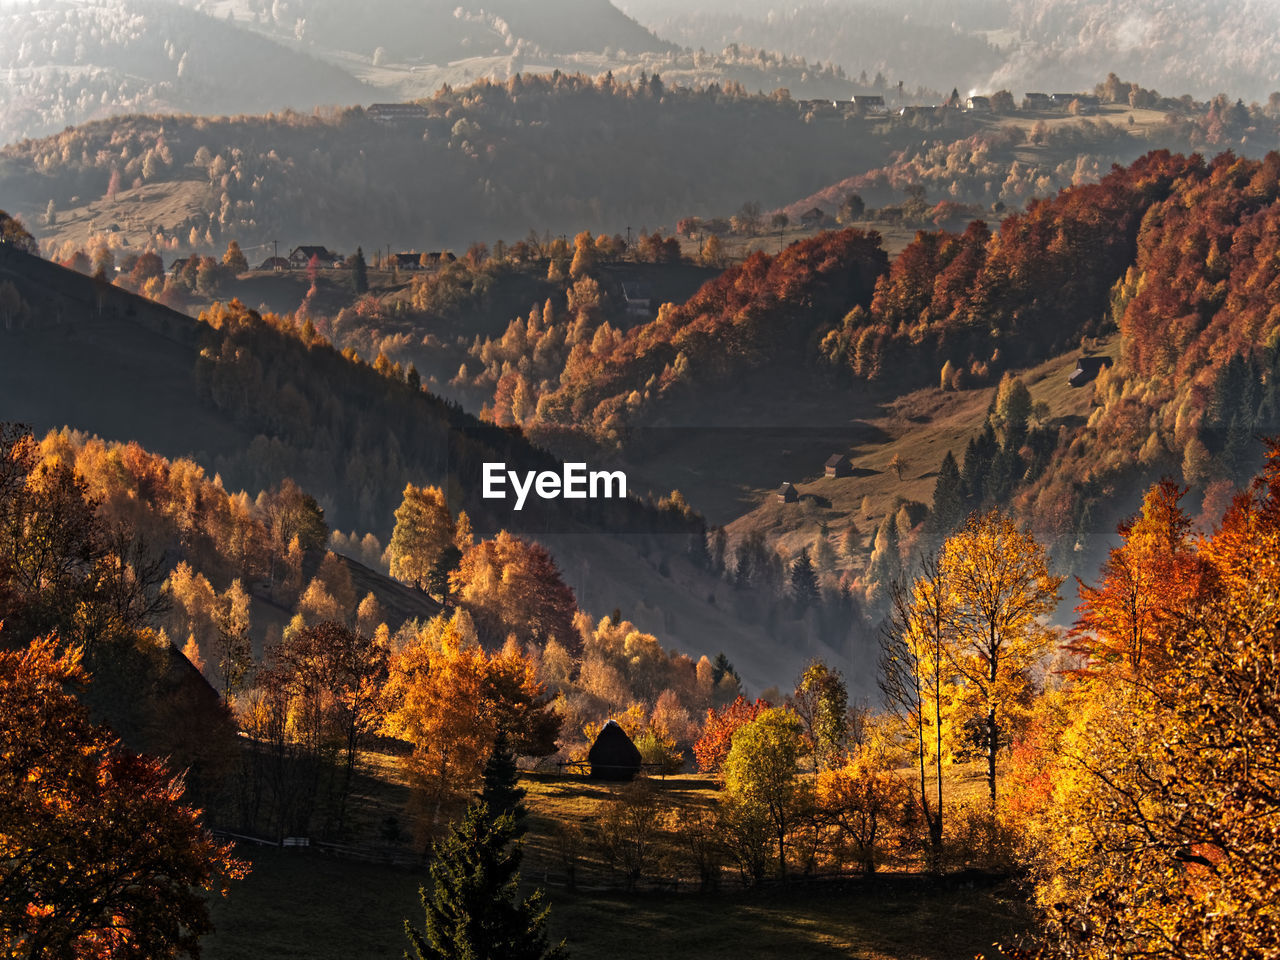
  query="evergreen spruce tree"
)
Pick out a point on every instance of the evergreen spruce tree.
point(473, 911)
point(948, 500)
point(719, 667)
point(501, 792)
point(804, 582)
point(1235, 450)
point(359, 272)
point(438, 576)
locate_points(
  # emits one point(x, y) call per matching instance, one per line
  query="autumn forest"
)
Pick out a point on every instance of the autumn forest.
point(521, 485)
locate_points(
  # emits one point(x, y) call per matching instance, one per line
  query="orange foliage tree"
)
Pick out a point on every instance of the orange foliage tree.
point(511, 586)
point(101, 857)
point(1159, 835)
point(712, 747)
point(449, 698)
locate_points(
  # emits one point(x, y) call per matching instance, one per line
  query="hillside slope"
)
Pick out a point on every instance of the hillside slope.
point(96, 358)
point(67, 63)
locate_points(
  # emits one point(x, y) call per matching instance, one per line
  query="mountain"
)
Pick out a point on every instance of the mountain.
point(66, 63)
point(440, 31)
point(1202, 47)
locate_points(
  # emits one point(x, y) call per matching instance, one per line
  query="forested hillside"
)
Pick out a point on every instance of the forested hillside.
point(1200, 46)
point(608, 155)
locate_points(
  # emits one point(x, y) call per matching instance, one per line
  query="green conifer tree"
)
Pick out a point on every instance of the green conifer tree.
point(948, 500)
point(473, 911)
point(804, 582)
point(359, 272)
point(500, 791)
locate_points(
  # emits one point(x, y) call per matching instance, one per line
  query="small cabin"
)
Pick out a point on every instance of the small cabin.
point(1087, 370)
point(274, 263)
point(613, 756)
point(978, 104)
point(638, 298)
point(838, 465)
point(869, 104)
point(788, 493)
point(813, 217)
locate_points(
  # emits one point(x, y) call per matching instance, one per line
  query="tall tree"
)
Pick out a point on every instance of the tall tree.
point(1159, 833)
point(101, 858)
point(1000, 587)
point(359, 272)
point(948, 500)
point(821, 701)
point(804, 582)
point(500, 791)
point(234, 259)
point(424, 528)
point(761, 770)
point(474, 910)
point(913, 647)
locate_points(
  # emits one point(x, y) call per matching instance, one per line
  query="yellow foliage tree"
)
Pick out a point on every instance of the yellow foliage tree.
point(1000, 588)
point(448, 698)
point(424, 527)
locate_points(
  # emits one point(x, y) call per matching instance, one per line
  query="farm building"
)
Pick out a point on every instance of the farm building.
point(813, 217)
point(838, 465)
point(787, 493)
point(396, 112)
point(613, 756)
point(638, 298)
point(301, 256)
point(1087, 369)
point(978, 104)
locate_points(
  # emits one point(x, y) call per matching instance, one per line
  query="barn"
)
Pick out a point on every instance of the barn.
point(838, 465)
point(1087, 369)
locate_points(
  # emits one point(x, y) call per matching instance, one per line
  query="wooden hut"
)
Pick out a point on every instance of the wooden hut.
point(1087, 369)
point(838, 465)
point(787, 493)
point(613, 756)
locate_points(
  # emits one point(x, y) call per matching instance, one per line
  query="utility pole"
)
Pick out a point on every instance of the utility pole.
point(275, 255)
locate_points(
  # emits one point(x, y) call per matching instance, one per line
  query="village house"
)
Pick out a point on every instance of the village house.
point(787, 493)
point(813, 217)
point(869, 105)
point(390, 113)
point(978, 104)
point(300, 257)
point(838, 465)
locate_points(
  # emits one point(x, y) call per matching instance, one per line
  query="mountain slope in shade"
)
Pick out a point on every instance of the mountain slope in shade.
point(96, 358)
